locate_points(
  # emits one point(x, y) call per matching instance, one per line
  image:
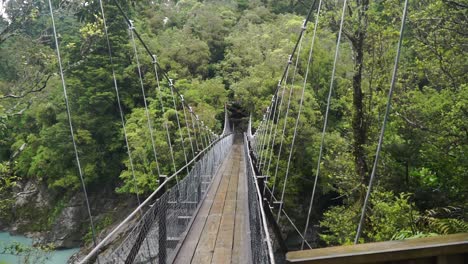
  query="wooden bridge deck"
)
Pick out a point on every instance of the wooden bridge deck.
point(220, 231)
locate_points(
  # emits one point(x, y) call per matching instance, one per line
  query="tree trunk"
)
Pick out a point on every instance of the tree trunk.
point(359, 122)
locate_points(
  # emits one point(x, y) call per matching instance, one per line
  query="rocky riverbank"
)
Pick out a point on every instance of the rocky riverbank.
point(57, 220)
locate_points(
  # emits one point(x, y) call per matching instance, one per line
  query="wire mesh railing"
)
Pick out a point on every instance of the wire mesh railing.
point(153, 236)
point(261, 246)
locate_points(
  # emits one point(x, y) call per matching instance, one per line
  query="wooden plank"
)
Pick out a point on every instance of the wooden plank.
point(381, 252)
point(188, 247)
point(241, 252)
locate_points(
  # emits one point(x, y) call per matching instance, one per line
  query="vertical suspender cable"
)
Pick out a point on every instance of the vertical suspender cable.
point(264, 137)
point(285, 123)
point(122, 117)
point(187, 126)
point(325, 122)
point(140, 76)
point(303, 88)
point(119, 104)
point(382, 131)
point(286, 120)
point(67, 104)
point(277, 123)
point(270, 132)
point(171, 86)
point(194, 129)
point(159, 92)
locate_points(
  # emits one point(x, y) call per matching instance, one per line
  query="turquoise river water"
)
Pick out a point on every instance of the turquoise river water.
point(34, 256)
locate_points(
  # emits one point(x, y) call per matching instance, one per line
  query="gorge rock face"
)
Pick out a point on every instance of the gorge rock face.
point(66, 231)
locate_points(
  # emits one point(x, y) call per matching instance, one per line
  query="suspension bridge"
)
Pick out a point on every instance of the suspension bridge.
point(225, 204)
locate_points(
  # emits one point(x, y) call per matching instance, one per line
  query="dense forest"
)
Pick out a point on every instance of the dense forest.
point(234, 52)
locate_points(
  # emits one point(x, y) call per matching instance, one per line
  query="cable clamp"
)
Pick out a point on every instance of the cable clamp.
point(171, 83)
point(182, 98)
point(290, 59)
point(130, 25)
point(304, 25)
point(155, 59)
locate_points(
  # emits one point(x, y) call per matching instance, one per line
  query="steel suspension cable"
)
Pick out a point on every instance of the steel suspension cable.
point(119, 104)
point(146, 48)
point(286, 121)
point(70, 123)
point(148, 118)
point(194, 128)
point(171, 86)
point(168, 135)
point(273, 108)
point(264, 136)
point(187, 126)
point(272, 123)
point(291, 88)
point(276, 125)
point(382, 131)
point(302, 99)
point(322, 141)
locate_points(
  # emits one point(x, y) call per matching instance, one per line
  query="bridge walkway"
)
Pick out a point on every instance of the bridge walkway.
point(220, 231)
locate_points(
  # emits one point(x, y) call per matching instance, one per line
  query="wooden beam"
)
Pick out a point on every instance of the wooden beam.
point(385, 252)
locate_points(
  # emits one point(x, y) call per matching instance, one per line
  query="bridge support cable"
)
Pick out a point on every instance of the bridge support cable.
point(304, 235)
point(264, 141)
point(171, 86)
point(276, 124)
point(261, 244)
point(304, 27)
point(119, 104)
point(286, 114)
point(161, 102)
point(163, 74)
point(273, 108)
point(194, 129)
point(70, 123)
point(382, 131)
point(325, 122)
point(187, 125)
point(163, 223)
point(142, 86)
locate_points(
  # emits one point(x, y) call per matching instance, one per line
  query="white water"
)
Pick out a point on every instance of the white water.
point(35, 257)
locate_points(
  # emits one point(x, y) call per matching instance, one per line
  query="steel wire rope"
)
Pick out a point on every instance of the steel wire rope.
point(302, 99)
point(264, 137)
point(148, 118)
point(291, 88)
point(272, 123)
point(119, 104)
point(122, 117)
point(146, 48)
point(187, 126)
point(382, 131)
point(161, 102)
point(304, 27)
point(171, 86)
point(194, 129)
point(70, 123)
point(322, 141)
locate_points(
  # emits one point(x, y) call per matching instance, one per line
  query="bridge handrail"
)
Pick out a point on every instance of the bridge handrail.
point(401, 251)
point(146, 202)
point(250, 165)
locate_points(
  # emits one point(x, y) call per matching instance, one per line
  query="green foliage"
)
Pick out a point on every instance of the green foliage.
point(28, 254)
point(389, 215)
point(236, 51)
